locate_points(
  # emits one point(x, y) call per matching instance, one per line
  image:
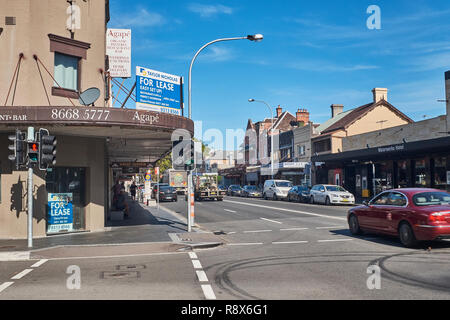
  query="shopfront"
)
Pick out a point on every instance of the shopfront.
point(423, 164)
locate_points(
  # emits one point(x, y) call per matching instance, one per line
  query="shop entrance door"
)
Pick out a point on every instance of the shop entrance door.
point(66, 189)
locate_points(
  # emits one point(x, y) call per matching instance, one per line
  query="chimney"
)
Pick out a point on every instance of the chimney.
point(447, 97)
point(302, 115)
point(279, 111)
point(336, 109)
point(379, 93)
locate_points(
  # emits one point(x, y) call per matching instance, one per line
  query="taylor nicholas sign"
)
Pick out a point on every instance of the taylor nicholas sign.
point(158, 91)
point(118, 49)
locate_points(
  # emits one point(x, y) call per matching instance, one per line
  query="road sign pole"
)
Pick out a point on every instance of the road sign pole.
point(30, 138)
point(189, 202)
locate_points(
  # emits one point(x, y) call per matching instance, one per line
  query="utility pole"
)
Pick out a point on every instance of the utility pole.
point(30, 139)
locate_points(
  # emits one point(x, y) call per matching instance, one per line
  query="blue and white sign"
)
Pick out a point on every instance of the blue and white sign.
point(158, 91)
point(60, 212)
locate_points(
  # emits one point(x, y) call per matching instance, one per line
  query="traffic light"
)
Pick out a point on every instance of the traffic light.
point(18, 147)
point(47, 149)
point(33, 152)
point(189, 162)
point(183, 154)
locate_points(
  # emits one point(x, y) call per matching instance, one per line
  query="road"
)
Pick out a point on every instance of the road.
point(273, 250)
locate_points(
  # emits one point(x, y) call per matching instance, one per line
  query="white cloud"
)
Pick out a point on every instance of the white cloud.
point(207, 11)
point(322, 66)
point(142, 18)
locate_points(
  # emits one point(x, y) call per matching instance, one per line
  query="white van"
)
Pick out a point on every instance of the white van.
point(276, 189)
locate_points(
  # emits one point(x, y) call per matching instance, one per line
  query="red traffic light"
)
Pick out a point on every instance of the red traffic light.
point(34, 147)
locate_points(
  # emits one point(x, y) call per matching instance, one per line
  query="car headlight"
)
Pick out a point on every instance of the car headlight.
point(335, 195)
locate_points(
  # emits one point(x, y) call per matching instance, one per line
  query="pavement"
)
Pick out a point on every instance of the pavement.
point(150, 229)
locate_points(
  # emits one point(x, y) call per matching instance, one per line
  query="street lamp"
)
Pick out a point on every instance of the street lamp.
point(271, 131)
point(255, 37)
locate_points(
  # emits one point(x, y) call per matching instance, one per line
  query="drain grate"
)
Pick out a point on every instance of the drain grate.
point(130, 267)
point(119, 274)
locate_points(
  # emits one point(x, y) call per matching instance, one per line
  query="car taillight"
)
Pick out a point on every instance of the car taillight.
point(438, 217)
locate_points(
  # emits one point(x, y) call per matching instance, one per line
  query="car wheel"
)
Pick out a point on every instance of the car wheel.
point(406, 234)
point(311, 200)
point(354, 225)
point(274, 197)
point(327, 201)
point(264, 196)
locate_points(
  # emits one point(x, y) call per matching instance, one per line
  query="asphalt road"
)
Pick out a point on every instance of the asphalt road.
point(273, 250)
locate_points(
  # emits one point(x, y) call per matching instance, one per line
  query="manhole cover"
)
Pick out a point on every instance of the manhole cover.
point(130, 267)
point(119, 274)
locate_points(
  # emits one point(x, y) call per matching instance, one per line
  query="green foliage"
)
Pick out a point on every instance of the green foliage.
point(164, 163)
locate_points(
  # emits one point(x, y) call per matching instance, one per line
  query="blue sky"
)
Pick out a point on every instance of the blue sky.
point(314, 54)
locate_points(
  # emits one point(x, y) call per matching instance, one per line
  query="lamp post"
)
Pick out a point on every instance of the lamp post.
point(271, 131)
point(255, 37)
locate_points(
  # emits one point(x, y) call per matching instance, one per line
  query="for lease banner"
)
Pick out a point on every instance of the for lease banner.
point(60, 212)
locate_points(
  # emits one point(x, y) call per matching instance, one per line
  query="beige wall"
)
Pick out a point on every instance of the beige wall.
point(422, 130)
point(35, 19)
point(369, 121)
point(90, 153)
point(302, 137)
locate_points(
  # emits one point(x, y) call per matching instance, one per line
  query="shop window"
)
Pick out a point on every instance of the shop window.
point(402, 174)
point(66, 71)
point(301, 150)
point(68, 186)
point(420, 173)
point(440, 172)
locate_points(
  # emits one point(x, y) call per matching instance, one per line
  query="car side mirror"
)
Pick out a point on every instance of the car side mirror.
point(366, 203)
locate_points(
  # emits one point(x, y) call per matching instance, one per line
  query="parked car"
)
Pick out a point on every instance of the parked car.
point(234, 190)
point(299, 194)
point(330, 194)
point(276, 189)
point(155, 188)
point(412, 214)
point(251, 191)
point(167, 193)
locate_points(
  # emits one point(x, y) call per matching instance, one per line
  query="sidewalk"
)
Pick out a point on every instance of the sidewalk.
point(148, 230)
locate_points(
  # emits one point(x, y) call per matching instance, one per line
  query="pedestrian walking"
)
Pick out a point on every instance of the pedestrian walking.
point(133, 188)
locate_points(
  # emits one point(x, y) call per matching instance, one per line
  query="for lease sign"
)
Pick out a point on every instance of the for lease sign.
point(60, 212)
point(158, 91)
point(118, 49)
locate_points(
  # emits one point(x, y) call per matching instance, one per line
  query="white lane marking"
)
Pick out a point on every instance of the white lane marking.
point(39, 263)
point(288, 210)
point(196, 264)
point(294, 229)
point(332, 227)
point(256, 231)
point(244, 243)
point(289, 242)
point(232, 232)
point(192, 255)
point(229, 210)
point(271, 220)
point(334, 240)
point(201, 275)
point(208, 292)
point(21, 274)
point(5, 285)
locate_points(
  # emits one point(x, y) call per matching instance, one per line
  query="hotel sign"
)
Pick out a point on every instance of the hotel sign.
point(398, 147)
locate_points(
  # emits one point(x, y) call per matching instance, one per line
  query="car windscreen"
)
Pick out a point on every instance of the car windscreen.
point(166, 188)
point(251, 188)
point(283, 184)
point(431, 198)
point(335, 188)
point(303, 189)
point(235, 187)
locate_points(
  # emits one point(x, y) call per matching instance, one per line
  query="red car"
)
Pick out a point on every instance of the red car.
point(412, 214)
